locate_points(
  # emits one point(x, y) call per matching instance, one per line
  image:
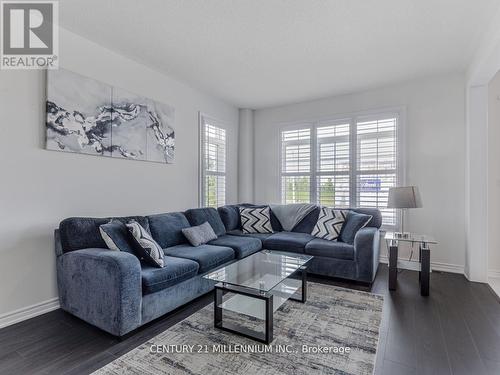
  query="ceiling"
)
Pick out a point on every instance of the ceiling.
point(262, 53)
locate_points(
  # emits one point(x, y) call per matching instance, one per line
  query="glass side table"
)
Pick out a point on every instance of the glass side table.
point(393, 239)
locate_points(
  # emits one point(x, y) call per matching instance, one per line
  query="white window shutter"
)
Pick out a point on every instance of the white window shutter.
point(376, 169)
point(333, 164)
point(213, 163)
point(296, 165)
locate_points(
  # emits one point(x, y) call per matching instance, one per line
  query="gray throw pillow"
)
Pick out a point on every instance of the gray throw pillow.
point(199, 234)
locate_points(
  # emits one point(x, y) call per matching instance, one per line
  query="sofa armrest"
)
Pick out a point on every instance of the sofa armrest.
point(102, 287)
point(367, 249)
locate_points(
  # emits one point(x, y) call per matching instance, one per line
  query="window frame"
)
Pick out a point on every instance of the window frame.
point(203, 119)
point(352, 118)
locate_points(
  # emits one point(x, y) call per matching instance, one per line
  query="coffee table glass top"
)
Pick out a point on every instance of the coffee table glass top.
point(262, 271)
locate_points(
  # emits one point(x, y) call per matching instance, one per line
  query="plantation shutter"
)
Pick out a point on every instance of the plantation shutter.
point(296, 166)
point(213, 164)
point(333, 164)
point(376, 169)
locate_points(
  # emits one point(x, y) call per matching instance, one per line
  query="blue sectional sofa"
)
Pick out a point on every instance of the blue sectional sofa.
point(115, 292)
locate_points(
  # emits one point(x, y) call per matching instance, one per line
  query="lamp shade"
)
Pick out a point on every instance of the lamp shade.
point(404, 197)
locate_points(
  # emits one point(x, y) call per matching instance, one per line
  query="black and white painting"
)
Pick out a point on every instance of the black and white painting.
point(90, 117)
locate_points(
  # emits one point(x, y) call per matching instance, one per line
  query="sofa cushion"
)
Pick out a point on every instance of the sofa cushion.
point(207, 256)
point(239, 232)
point(307, 224)
point(291, 214)
point(83, 232)
point(354, 222)
point(376, 221)
point(330, 249)
point(288, 241)
point(175, 271)
point(197, 216)
point(230, 216)
point(242, 246)
point(167, 228)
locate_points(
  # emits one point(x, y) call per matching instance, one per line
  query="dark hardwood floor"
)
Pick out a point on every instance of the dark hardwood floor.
point(456, 330)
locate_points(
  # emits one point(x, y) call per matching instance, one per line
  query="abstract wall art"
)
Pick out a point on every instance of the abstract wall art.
point(90, 117)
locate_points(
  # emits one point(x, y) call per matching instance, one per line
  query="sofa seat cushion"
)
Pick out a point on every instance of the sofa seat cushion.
point(288, 241)
point(260, 236)
point(242, 246)
point(330, 249)
point(207, 256)
point(176, 270)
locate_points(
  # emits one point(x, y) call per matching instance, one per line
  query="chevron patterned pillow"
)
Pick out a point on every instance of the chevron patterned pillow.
point(256, 220)
point(148, 248)
point(330, 222)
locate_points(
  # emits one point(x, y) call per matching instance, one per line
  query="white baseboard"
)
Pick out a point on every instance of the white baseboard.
point(494, 273)
point(447, 267)
point(414, 266)
point(28, 312)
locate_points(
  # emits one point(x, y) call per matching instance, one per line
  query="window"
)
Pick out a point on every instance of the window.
point(212, 163)
point(333, 164)
point(348, 162)
point(296, 165)
point(376, 167)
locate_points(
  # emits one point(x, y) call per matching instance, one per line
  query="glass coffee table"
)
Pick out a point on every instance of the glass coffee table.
point(257, 286)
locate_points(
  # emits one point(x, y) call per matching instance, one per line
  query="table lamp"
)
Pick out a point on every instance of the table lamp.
point(403, 198)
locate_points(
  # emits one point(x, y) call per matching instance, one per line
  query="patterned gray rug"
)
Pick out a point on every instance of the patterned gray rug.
point(335, 332)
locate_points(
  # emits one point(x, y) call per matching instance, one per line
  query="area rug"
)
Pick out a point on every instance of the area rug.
point(335, 332)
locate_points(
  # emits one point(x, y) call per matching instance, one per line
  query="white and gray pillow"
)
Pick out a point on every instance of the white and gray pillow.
point(116, 236)
point(200, 234)
point(107, 237)
point(329, 225)
point(151, 252)
point(256, 220)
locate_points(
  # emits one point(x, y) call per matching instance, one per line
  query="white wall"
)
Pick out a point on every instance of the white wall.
point(39, 188)
point(483, 67)
point(245, 156)
point(435, 152)
point(494, 176)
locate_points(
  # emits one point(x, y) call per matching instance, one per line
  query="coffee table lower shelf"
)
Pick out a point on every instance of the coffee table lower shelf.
point(241, 303)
